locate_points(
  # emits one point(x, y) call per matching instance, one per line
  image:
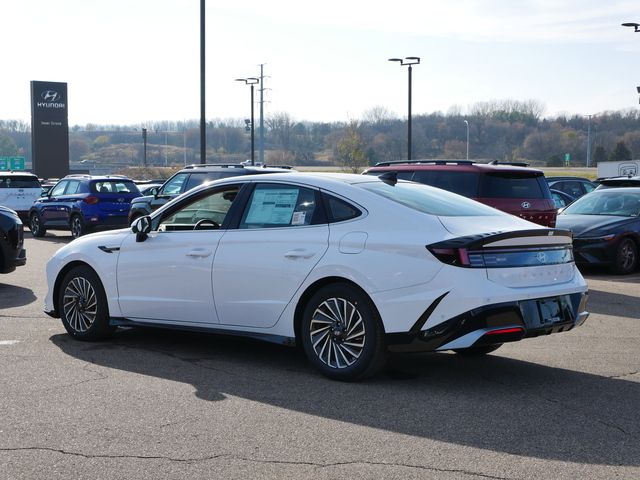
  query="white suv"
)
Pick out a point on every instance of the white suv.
point(18, 191)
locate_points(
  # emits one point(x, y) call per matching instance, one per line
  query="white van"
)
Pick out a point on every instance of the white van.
point(18, 191)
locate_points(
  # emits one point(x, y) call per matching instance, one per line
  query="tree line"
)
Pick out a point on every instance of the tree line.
point(498, 130)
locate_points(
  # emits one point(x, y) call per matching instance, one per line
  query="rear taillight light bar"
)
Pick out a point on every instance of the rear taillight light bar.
point(503, 257)
point(91, 200)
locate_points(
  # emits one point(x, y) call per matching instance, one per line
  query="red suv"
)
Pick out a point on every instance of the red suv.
point(510, 187)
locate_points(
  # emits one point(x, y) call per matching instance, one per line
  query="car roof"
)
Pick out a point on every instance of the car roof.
point(216, 167)
point(615, 191)
point(581, 179)
point(11, 173)
point(96, 177)
point(461, 165)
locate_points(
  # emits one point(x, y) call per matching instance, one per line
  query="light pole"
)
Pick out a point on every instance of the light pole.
point(251, 81)
point(467, 124)
point(589, 142)
point(203, 124)
point(408, 61)
point(636, 26)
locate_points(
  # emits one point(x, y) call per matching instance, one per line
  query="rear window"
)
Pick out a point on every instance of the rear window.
point(114, 186)
point(462, 183)
point(508, 185)
point(199, 178)
point(428, 200)
point(15, 181)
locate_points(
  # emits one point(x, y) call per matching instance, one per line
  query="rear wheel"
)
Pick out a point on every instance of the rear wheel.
point(77, 226)
point(626, 259)
point(35, 225)
point(342, 334)
point(82, 304)
point(477, 351)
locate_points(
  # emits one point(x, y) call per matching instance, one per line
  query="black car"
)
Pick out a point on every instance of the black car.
point(606, 228)
point(12, 253)
point(189, 177)
point(574, 186)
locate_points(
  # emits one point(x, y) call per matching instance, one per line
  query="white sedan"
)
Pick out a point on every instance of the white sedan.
point(349, 267)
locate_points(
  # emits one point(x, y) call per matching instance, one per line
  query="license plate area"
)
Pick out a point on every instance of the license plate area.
point(547, 312)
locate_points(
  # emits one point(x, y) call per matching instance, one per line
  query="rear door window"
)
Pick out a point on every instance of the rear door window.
point(509, 185)
point(73, 187)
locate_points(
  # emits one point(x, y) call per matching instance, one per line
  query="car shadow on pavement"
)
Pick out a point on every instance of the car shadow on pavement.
point(13, 296)
point(616, 304)
point(493, 403)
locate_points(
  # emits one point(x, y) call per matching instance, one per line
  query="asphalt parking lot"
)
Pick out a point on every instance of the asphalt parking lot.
point(152, 404)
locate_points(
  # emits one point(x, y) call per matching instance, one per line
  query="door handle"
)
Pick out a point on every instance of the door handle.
point(299, 253)
point(201, 253)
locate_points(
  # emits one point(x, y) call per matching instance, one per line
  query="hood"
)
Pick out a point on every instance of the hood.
point(588, 225)
point(143, 199)
point(461, 226)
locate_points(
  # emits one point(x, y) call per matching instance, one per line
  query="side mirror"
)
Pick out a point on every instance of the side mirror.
point(141, 227)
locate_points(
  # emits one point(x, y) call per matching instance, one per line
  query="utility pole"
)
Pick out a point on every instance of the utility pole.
point(203, 123)
point(261, 134)
point(144, 140)
point(589, 143)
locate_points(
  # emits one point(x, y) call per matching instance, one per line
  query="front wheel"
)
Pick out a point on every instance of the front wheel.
point(626, 259)
point(82, 305)
point(35, 225)
point(342, 334)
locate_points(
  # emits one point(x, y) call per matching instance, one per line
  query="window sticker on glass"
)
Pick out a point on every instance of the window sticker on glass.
point(298, 218)
point(273, 206)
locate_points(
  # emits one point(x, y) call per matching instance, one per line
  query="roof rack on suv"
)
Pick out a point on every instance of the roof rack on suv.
point(427, 162)
point(223, 165)
point(513, 164)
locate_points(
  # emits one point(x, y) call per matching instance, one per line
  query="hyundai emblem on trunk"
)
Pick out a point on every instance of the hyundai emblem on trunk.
point(525, 204)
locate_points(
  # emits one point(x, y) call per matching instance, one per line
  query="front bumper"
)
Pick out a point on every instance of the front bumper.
point(597, 252)
point(497, 323)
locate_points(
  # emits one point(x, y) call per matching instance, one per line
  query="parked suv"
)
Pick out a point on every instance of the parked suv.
point(12, 254)
point(18, 191)
point(189, 177)
point(82, 203)
point(510, 187)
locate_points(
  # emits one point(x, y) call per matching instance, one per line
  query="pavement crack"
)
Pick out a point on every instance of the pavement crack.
point(623, 375)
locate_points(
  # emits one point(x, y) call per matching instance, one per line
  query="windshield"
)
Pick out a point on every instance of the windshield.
point(430, 200)
point(511, 185)
point(606, 202)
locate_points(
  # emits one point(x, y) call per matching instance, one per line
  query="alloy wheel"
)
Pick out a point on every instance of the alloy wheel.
point(80, 304)
point(76, 227)
point(337, 333)
point(627, 256)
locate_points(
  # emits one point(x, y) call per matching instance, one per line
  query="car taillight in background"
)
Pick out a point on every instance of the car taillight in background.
point(91, 200)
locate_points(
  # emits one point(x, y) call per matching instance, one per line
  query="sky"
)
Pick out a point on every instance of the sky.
point(137, 61)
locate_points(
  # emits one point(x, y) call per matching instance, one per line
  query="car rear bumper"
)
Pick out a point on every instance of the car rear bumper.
point(497, 323)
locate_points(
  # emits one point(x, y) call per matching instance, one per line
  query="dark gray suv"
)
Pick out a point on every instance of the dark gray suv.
point(189, 177)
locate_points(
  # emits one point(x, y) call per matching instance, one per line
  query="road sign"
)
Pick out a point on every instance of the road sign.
point(11, 163)
point(567, 158)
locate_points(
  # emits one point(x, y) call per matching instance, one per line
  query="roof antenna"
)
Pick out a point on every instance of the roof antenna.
point(390, 178)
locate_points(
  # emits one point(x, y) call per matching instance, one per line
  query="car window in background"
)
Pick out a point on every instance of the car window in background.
point(613, 203)
point(339, 210)
point(276, 205)
point(428, 200)
point(174, 185)
point(19, 182)
point(58, 189)
point(114, 186)
point(73, 187)
point(506, 185)
point(558, 200)
point(462, 183)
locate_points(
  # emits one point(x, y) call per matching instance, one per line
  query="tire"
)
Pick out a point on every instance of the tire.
point(35, 225)
point(477, 351)
point(626, 259)
point(76, 224)
point(82, 305)
point(342, 334)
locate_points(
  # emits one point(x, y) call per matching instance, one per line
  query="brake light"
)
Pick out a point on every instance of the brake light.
point(452, 256)
point(91, 200)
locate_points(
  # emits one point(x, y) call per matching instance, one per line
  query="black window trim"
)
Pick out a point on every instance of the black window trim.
point(325, 200)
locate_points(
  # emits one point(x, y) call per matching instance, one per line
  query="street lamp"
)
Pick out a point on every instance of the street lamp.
point(408, 61)
point(251, 81)
point(467, 124)
point(589, 142)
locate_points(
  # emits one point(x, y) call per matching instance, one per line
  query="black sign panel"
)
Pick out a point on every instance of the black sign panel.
point(49, 129)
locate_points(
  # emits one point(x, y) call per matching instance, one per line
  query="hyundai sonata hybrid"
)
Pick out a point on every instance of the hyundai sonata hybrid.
point(349, 267)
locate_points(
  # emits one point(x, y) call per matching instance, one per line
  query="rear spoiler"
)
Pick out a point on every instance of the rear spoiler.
point(542, 236)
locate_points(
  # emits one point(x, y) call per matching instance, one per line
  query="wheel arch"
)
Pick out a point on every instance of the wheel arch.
point(313, 288)
point(61, 274)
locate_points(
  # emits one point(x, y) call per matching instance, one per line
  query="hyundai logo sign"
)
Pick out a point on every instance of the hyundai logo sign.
point(50, 99)
point(50, 96)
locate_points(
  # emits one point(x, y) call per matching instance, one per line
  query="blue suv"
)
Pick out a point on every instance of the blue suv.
point(82, 203)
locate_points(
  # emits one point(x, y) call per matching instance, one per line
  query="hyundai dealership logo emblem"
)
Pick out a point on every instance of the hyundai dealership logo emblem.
point(50, 96)
point(525, 204)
